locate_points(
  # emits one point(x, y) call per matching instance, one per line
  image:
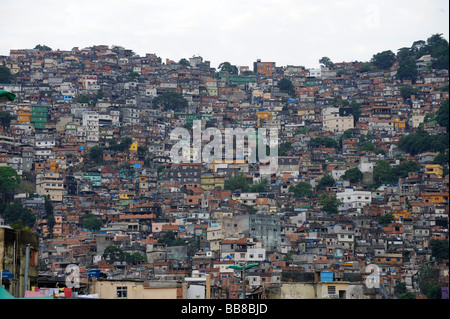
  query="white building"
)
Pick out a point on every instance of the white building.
point(353, 199)
point(255, 255)
point(315, 72)
point(89, 82)
point(91, 123)
point(336, 120)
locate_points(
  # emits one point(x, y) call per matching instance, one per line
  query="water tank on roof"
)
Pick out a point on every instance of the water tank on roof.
point(326, 276)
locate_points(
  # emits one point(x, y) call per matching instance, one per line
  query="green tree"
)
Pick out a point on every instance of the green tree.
point(353, 175)
point(326, 61)
point(406, 91)
point(365, 67)
point(159, 170)
point(406, 295)
point(386, 219)
point(98, 96)
point(122, 146)
point(16, 213)
point(126, 143)
point(135, 257)
point(383, 60)
point(403, 170)
point(442, 158)
point(442, 114)
point(42, 48)
point(323, 141)
point(49, 211)
point(326, 181)
point(438, 47)
point(228, 67)
point(439, 249)
point(9, 181)
point(330, 203)
point(382, 173)
point(96, 154)
point(170, 100)
point(426, 279)
point(5, 75)
point(92, 222)
point(169, 239)
point(400, 287)
point(356, 111)
point(301, 190)
point(284, 148)
point(83, 99)
point(286, 86)
point(403, 53)
point(418, 48)
point(368, 147)
point(240, 182)
point(421, 141)
point(407, 69)
point(113, 254)
point(5, 119)
point(258, 187)
point(134, 75)
point(184, 62)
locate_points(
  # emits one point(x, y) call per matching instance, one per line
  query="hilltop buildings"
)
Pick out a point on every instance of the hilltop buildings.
point(180, 217)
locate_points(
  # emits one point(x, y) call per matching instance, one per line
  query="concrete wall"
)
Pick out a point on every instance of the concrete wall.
point(107, 289)
point(319, 290)
point(298, 291)
point(13, 245)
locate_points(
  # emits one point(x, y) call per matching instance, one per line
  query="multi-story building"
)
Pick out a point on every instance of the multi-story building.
point(39, 116)
point(91, 123)
point(51, 184)
point(337, 119)
point(352, 199)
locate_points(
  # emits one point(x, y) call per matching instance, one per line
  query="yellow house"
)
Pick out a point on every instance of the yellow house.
point(435, 169)
point(70, 58)
point(133, 146)
point(263, 115)
point(435, 198)
point(136, 289)
point(14, 68)
point(126, 195)
point(207, 181)
point(305, 111)
point(219, 181)
point(320, 290)
point(399, 124)
point(236, 161)
point(210, 181)
point(401, 215)
point(23, 116)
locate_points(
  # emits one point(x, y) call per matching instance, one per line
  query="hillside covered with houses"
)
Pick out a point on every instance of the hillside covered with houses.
point(362, 180)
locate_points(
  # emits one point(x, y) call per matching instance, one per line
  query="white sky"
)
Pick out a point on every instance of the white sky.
point(288, 32)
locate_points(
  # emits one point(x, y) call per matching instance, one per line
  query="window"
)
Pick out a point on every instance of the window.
point(122, 292)
point(331, 290)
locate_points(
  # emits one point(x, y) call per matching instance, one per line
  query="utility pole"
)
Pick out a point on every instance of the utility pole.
point(243, 269)
point(27, 262)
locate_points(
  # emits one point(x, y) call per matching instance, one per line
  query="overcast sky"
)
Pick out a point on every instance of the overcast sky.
point(288, 32)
